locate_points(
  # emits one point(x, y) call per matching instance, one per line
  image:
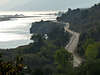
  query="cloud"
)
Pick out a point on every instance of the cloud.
point(29, 5)
point(2, 2)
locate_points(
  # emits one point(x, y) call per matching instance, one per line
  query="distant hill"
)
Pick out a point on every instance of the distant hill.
point(82, 19)
point(48, 5)
point(86, 22)
point(44, 27)
point(41, 5)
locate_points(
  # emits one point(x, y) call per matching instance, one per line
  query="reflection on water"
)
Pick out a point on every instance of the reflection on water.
point(15, 32)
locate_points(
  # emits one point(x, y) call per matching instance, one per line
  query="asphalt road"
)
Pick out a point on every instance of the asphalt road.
point(72, 45)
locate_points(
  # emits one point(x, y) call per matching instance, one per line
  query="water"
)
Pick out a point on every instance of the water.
point(15, 32)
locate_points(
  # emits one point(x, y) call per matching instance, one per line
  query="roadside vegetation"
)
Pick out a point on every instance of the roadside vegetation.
point(47, 56)
point(87, 23)
point(41, 57)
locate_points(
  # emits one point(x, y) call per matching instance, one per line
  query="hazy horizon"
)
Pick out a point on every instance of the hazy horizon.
point(44, 5)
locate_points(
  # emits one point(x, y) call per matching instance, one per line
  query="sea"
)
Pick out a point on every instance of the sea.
point(16, 32)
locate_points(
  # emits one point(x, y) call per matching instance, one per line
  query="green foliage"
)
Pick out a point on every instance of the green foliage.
point(90, 49)
point(37, 38)
point(40, 54)
point(7, 68)
point(91, 52)
point(34, 61)
point(44, 27)
point(89, 68)
point(82, 19)
point(63, 59)
point(48, 50)
point(49, 70)
point(37, 72)
point(55, 33)
point(59, 36)
point(87, 42)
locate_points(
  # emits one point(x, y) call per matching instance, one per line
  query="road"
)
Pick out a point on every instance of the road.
point(72, 45)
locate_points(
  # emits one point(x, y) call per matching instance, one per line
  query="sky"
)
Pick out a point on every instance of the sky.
point(44, 5)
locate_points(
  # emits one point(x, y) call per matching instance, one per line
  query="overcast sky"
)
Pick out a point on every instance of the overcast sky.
point(45, 4)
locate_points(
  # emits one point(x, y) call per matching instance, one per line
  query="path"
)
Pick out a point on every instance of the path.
point(72, 45)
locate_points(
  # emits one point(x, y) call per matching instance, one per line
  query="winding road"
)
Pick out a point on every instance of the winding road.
point(72, 45)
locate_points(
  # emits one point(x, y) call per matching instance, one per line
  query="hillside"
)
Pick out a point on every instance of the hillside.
point(87, 23)
point(40, 54)
point(44, 27)
point(82, 19)
point(47, 56)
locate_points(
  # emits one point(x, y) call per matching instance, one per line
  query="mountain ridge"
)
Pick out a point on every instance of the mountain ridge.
point(40, 6)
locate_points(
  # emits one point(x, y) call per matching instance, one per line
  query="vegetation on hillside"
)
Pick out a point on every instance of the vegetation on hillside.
point(44, 27)
point(47, 56)
point(87, 23)
point(82, 19)
point(40, 56)
point(7, 67)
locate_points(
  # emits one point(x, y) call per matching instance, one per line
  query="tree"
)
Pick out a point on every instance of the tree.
point(61, 38)
point(69, 9)
point(37, 72)
point(91, 52)
point(87, 42)
point(89, 68)
point(38, 39)
point(48, 50)
point(58, 31)
point(63, 60)
point(6, 68)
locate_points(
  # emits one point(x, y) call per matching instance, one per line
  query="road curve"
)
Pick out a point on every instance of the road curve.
point(72, 45)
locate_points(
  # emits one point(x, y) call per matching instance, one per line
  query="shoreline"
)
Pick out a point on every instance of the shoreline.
point(20, 46)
